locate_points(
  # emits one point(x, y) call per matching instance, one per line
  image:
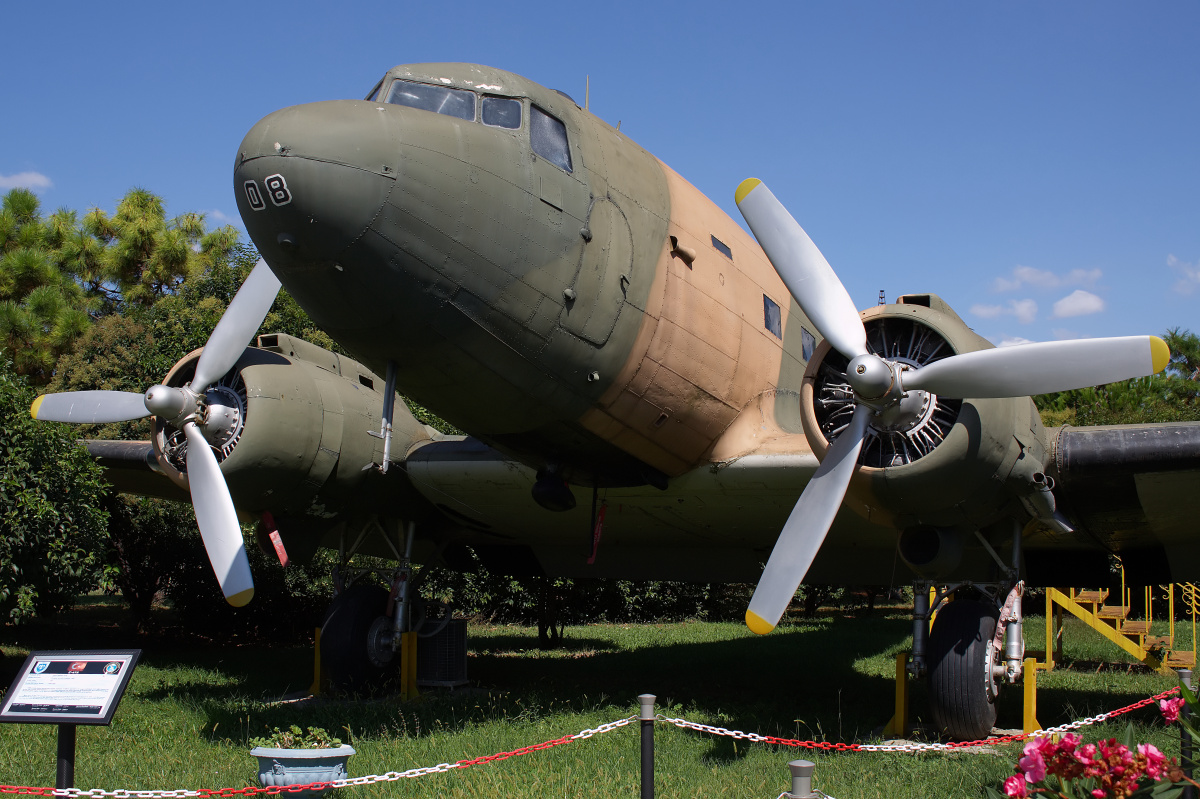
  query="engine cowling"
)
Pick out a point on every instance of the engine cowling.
point(933, 462)
point(292, 423)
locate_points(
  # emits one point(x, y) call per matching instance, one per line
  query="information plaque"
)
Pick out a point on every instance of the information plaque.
point(69, 687)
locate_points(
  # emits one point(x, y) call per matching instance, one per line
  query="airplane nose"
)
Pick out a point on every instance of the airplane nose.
point(309, 179)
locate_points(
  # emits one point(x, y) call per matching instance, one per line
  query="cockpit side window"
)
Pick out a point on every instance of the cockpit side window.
point(374, 95)
point(438, 99)
point(549, 138)
point(501, 112)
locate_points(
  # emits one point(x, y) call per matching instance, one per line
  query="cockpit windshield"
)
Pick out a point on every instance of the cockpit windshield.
point(438, 99)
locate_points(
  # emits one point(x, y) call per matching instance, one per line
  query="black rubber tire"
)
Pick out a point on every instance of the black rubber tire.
point(959, 670)
point(348, 621)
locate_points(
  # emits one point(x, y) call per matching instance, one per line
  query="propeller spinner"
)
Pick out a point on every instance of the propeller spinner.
point(187, 409)
point(880, 386)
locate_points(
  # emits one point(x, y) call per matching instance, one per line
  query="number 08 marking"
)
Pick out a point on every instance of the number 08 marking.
point(277, 189)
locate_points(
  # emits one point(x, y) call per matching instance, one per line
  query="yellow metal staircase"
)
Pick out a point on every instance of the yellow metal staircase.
point(1112, 621)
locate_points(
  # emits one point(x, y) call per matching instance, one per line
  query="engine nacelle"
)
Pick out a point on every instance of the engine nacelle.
point(292, 424)
point(936, 462)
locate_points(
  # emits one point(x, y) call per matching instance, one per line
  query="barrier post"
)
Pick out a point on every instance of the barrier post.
point(1185, 740)
point(801, 779)
point(647, 719)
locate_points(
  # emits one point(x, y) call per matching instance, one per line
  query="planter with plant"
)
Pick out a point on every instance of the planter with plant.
point(300, 757)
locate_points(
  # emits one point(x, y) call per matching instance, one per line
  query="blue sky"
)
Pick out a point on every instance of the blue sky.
point(1037, 164)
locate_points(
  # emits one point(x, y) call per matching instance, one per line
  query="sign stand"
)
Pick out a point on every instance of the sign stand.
point(69, 689)
point(65, 777)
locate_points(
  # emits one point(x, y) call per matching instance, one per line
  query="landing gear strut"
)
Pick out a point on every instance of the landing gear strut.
point(366, 624)
point(975, 646)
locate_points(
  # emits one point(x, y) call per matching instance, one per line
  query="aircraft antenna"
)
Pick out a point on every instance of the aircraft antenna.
point(882, 301)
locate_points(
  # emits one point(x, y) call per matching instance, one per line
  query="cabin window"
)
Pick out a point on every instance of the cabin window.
point(502, 112)
point(771, 317)
point(808, 343)
point(722, 247)
point(438, 99)
point(549, 138)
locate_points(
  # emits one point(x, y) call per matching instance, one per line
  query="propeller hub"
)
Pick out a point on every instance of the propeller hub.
point(172, 404)
point(223, 417)
point(904, 415)
point(870, 376)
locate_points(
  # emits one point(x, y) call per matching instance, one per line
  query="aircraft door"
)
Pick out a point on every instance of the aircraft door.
point(604, 274)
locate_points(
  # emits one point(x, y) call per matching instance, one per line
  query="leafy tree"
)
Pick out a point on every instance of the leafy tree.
point(58, 274)
point(1173, 396)
point(42, 309)
point(52, 528)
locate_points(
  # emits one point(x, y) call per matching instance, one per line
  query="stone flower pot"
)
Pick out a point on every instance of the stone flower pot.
point(282, 767)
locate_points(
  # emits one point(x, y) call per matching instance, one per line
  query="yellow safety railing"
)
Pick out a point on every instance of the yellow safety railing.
point(1135, 637)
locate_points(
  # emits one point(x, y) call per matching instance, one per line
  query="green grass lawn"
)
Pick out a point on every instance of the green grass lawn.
point(191, 707)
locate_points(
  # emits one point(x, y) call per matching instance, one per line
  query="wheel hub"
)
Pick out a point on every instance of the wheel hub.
point(379, 642)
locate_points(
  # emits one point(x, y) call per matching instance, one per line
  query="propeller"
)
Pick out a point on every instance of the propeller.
point(186, 408)
point(880, 384)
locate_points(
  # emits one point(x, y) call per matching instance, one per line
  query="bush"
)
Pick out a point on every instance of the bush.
point(52, 525)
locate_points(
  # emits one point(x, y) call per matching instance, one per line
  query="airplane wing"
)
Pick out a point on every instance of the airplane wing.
point(132, 469)
point(1132, 490)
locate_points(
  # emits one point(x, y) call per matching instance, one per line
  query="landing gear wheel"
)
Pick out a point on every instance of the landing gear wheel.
point(355, 652)
point(962, 688)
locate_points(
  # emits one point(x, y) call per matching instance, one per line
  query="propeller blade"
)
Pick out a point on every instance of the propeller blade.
point(804, 270)
point(1041, 368)
point(217, 520)
point(806, 528)
point(237, 326)
point(89, 407)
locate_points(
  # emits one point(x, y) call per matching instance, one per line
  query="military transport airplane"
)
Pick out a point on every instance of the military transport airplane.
point(606, 333)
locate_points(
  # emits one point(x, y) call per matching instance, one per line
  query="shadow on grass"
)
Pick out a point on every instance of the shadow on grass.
point(798, 682)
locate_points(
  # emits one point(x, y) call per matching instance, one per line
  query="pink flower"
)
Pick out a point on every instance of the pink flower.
point(1156, 761)
point(1032, 764)
point(1015, 786)
point(1170, 709)
point(1099, 793)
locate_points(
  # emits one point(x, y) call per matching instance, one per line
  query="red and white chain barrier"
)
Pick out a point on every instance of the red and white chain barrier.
point(392, 776)
point(914, 747)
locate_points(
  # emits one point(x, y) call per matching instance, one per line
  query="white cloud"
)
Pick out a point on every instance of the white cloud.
point(1040, 278)
point(1078, 303)
point(1025, 310)
point(27, 180)
point(223, 218)
point(1013, 341)
point(987, 311)
point(1189, 274)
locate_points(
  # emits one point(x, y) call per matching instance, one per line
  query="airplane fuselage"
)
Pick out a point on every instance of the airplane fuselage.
point(614, 318)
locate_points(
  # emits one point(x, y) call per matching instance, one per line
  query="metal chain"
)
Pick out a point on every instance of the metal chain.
point(914, 747)
point(391, 776)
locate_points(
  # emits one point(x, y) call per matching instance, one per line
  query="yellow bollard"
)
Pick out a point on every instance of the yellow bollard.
point(899, 723)
point(408, 666)
point(1030, 720)
point(315, 688)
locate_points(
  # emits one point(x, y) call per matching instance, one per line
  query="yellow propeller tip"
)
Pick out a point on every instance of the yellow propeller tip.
point(745, 188)
point(241, 598)
point(757, 624)
point(37, 403)
point(1160, 353)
